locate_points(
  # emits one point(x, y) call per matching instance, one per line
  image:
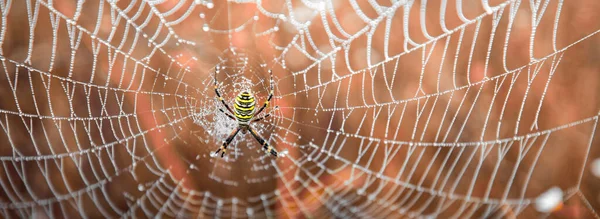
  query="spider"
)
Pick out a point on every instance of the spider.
point(244, 115)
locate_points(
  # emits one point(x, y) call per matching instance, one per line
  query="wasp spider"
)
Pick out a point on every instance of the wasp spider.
point(244, 113)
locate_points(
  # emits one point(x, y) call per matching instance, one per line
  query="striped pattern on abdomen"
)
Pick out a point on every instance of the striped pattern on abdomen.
point(244, 107)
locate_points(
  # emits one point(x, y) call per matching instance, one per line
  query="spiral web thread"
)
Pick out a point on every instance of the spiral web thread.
point(386, 109)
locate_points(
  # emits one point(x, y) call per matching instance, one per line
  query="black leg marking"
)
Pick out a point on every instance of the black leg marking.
point(219, 94)
point(265, 144)
point(227, 114)
point(261, 118)
point(270, 95)
point(222, 100)
point(227, 142)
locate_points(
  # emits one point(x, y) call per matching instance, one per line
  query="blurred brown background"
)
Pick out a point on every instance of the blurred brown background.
point(108, 108)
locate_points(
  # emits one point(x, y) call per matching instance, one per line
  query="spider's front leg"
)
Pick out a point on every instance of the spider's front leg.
point(222, 100)
point(264, 143)
point(270, 95)
point(230, 114)
point(227, 142)
point(227, 114)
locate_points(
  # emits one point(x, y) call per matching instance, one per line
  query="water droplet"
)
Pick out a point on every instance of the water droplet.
point(596, 167)
point(549, 200)
point(284, 153)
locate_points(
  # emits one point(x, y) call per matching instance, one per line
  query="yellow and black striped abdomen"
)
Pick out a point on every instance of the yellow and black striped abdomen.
point(244, 107)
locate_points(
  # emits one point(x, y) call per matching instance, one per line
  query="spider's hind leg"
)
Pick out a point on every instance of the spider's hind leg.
point(264, 143)
point(227, 142)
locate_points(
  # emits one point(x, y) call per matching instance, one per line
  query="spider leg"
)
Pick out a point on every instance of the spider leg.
point(270, 95)
point(227, 142)
point(227, 114)
point(220, 97)
point(264, 143)
point(222, 100)
point(262, 117)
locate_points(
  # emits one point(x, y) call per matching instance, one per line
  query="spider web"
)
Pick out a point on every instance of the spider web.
point(385, 108)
